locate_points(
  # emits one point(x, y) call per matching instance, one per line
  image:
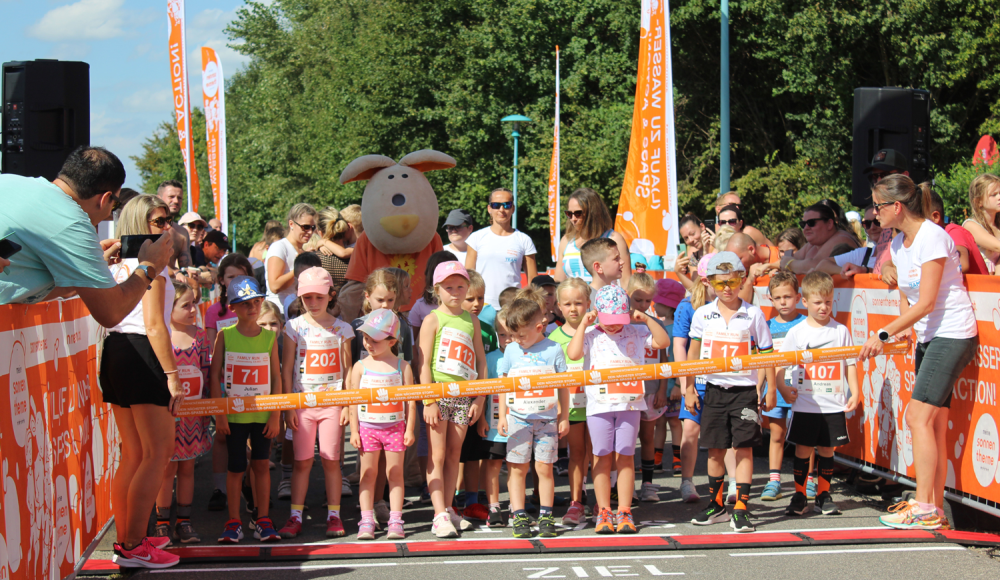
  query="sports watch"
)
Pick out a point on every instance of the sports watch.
point(145, 270)
point(883, 335)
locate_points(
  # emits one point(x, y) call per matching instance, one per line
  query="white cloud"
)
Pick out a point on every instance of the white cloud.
point(151, 100)
point(83, 20)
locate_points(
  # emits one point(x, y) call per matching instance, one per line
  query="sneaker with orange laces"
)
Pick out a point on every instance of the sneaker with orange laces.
point(145, 555)
point(476, 511)
point(626, 525)
point(911, 517)
point(605, 522)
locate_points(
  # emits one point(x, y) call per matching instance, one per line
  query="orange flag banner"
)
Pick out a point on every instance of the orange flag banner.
point(554, 175)
point(182, 97)
point(647, 210)
point(214, 95)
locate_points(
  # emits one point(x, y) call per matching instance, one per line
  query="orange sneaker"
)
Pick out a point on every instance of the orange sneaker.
point(626, 525)
point(605, 522)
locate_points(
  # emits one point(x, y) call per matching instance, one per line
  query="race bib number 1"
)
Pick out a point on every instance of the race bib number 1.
point(456, 355)
point(191, 380)
point(248, 374)
point(319, 362)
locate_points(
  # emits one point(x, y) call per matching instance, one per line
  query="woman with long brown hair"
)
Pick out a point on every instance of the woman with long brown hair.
point(587, 217)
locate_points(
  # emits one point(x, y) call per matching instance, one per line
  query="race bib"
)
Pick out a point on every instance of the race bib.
point(789, 369)
point(383, 411)
point(456, 355)
point(192, 380)
point(577, 395)
point(319, 363)
point(727, 344)
point(495, 412)
point(248, 374)
point(618, 393)
point(652, 355)
point(528, 402)
point(822, 378)
point(224, 323)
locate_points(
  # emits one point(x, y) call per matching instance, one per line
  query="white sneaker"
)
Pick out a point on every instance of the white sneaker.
point(346, 490)
point(443, 528)
point(382, 512)
point(688, 492)
point(458, 521)
point(731, 496)
point(285, 489)
point(649, 492)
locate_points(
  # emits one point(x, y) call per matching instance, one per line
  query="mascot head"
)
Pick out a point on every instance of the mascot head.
point(399, 208)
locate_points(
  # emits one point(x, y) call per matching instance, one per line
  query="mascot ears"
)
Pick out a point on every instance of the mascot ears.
point(366, 166)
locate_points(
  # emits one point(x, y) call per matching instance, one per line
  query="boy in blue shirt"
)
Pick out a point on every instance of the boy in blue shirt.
point(529, 417)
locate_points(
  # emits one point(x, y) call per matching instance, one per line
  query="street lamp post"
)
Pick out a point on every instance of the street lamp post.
point(516, 120)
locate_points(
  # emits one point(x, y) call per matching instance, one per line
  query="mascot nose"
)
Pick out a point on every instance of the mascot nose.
point(398, 199)
point(399, 226)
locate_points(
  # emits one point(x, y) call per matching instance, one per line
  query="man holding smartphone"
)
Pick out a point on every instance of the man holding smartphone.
point(55, 224)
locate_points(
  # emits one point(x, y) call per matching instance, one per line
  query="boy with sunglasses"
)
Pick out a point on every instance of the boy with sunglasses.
point(729, 327)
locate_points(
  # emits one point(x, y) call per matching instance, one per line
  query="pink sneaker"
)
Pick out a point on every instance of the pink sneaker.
point(293, 527)
point(146, 556)
point(334, 527)
point(395, 530)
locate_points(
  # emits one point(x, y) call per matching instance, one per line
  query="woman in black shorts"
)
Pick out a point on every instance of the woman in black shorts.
point(938, 309)
point(138, 377)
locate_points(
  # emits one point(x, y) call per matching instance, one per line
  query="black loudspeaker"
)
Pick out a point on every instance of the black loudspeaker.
point(889, 118)
point(46, 115)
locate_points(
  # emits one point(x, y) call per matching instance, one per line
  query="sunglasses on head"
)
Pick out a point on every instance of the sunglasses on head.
point(574, 214)
point(869, 223)
point(731, 222)
point(304, 228)
point(812, 223)
point(501, 204)
point(732, 283)
point(160, 222)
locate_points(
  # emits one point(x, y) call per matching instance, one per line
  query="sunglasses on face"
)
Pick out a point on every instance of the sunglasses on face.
point(196, 226)
point(812, 223)
point(878, 206)
point(160, 222)
point(574, 214)
point(453, 229)
point(869, 223)
point(116, 203)
point(732, 284)
point(731, 222)
point(501, 204)
point(306, 229)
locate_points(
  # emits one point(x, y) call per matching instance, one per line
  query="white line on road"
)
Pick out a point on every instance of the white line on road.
point(850, 551)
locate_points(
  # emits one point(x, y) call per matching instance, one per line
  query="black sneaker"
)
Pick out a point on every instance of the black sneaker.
point(713, 514)
point(561, 501)
point(798, 506)
point(740, 521)
point(547, 526)
point(522, 526)
point(217, 502)
point(562, 466)
point(496, 519)
point(825, 505)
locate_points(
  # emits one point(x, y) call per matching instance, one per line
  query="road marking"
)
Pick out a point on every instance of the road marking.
point(851, 551)
point(654, 571)
point(580, 572)
point(543, 572)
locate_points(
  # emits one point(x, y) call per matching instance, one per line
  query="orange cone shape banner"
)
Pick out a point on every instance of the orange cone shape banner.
point(214, 94)
point(554, 175)
point(182, 97)
point(647, 210)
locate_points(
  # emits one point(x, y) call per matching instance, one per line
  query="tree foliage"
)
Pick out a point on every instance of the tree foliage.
point(330, 80)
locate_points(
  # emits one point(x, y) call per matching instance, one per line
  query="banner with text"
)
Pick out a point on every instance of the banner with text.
point(182, 97)
point(214, 95)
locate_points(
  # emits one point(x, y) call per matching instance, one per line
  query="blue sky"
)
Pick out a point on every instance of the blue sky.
point(125, 43)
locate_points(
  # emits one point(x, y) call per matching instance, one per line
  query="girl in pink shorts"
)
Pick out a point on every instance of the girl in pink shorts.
point(383, 426)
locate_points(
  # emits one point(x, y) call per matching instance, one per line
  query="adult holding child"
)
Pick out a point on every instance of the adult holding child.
point(587, 217)
point(281, 254)
point(939, 310)
point(498, 252)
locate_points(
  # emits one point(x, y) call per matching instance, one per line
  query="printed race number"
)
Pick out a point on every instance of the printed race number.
point(822, 378)
point(248, 374)
point(319, 363)
point(727, 344)
point(456, 355)
point(617, 393)
point(381, 411)
point(191, 380)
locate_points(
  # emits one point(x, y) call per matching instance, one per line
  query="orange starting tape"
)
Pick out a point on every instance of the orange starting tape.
point(477, 388)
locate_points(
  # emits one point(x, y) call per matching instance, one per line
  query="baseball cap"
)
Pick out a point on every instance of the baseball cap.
point(668, 292)
point(217, 238)
point(243, 288)
point(314, 280)
point(887, 160)
point(445, 269)
point(458, 217)
point(703, 264)
point(543, 280)
point(191, 217)
point(381, 324)
point(612, 305)
point(735, 264)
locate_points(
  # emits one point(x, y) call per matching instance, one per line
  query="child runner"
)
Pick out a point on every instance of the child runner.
point(317, 350)
point(384, 426)
point(817, 393)
point(573, 296)
point(729, 327)
point(489, 428)
point(192, 439)
point(246, 361)
point(451, 349)
point(603, 260)
point(613, 409)
point(272, 319)
point(784, 291)
point(532, 419)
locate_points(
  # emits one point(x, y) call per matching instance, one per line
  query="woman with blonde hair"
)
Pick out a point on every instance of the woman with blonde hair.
point(281, 255)
point(587, 217)
point(984, 225)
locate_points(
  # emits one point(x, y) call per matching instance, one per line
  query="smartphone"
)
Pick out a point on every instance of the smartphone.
point(682, 248)
point(8, 248)
point(131, 244)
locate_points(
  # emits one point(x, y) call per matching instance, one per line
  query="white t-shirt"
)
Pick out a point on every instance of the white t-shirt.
point(603, 351)
point(952, 316)
point(822, 386)
point(460, 255)
point(499, 259)
point(316, 368)
point(747, 330)
point(855, 257)
point(286, 251)
point(133, 322)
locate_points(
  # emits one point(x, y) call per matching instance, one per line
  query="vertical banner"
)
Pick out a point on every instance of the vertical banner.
point(214, 94)
point(554, 175)
point(182, 97)
point(647, 210)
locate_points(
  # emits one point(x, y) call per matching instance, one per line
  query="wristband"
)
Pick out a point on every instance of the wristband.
point(173, 372)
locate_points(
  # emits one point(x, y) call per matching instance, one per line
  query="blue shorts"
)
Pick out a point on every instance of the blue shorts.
point(780, 410)
point(696, 416)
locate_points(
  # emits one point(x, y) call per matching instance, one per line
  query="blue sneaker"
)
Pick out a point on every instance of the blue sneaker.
point(811, 489)
point(232, 533)
point(264, 530)
point(772, 491)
